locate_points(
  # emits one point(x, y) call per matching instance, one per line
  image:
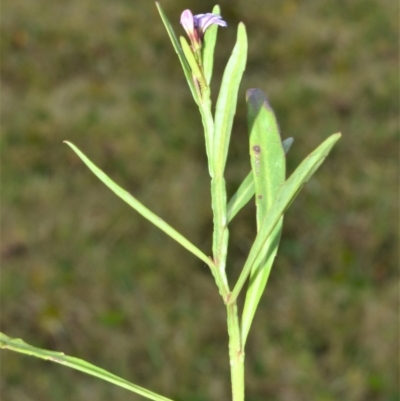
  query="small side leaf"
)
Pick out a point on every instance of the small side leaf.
point(18, 345)
point(140, 208)
point(192, 62)
point(288, 192)
point(210, 38)
point(179, 51)
point(287, 144)
point(241, 197)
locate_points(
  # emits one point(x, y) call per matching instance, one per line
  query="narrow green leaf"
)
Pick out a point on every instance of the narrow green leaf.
point(210, 38)
point(268, 166)
point(196, 72)
point(18, 345)
point(208, 125)
point(140, 208)
point(225, 110)
point(241, 197)
point(285, 197)
point(246, 189)
point(287, 144)
point(227, 99)
point(179, 51)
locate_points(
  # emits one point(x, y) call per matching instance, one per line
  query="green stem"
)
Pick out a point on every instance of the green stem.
point(208, 124)
point(220, 233)
point(218, 199)
point(236, 354)
point(220, 236)
point(220, 247)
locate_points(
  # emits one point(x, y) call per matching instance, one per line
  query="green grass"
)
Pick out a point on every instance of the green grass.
point(82, 273)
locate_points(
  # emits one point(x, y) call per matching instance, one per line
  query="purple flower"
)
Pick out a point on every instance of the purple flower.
point(196, 25)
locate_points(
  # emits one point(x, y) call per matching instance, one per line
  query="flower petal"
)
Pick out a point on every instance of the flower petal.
point(187, 20)
point(204, 21)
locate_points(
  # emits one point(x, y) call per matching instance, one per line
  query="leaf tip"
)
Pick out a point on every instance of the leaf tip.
point(216, 9)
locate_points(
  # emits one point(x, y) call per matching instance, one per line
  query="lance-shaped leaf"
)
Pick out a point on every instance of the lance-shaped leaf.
point(210, 38)
point(285, 197)
point(196, 72)
point(287, 144)
point(246, 189)
point(179, 51)
point(227, 99)
point(140, 208)
point(268, 166)
point(225, 111)
point(241, 197)
point(18, 345)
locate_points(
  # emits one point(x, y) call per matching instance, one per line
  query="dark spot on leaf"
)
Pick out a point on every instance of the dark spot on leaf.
point(256, 149)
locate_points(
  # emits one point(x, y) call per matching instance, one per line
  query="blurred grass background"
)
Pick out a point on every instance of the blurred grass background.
point(83, 273)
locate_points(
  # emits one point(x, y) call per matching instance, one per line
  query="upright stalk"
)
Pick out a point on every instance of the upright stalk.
point(221, 233)
point(220, 248)
point(218, 201)
point(236, 353)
